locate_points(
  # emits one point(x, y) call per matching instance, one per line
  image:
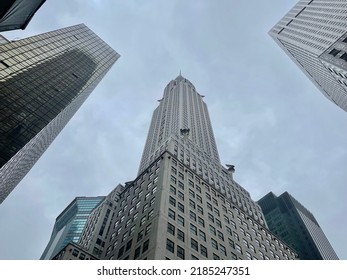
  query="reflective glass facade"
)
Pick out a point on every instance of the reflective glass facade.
point(291, 221)
point(43, 81)
point(70, 223)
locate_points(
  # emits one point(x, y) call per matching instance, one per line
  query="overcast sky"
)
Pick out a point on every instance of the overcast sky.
point(269, 120)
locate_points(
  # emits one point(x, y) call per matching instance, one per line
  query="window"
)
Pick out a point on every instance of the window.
point(180, 185)
point(193, 229)
point(203, 250)
point(216, 257)
point(75, 252)
point(194, 244)
point(172, 214)
point(334, 52)
point(209, 206)
point(222, 249)
point(170, 228)
point(154, 189)
point(214, 244)
point(344, 56)
point(172, 190)
point(180, 235)
point(180, 207)
point(220, 235)
point(170, 246)
point(191, 203)
point(150, 214)
point(180, 220)
point(201, 222)
point(192, 215)
point(120, 252)
point(137, 252)
point(218, 223)
point(140, 235)
point(231, 243)
point(236, 236)
point(210, 217)
point(202, 235)
point(143, 220)
point(191, 193)
point(215, 202)
point(152, 202)
point(128, 246)
point(180, 196)
point(180, 252)
point(172, 201)
point(200, 210)
point(145, 246)
point(238, 248)
point(147, 195)
point(148, 229)
point(132, 229)
point(125, 236)
point(233, 256)
point(245, 242)
point(135, 216)
point(252, 248)
point(212, 230)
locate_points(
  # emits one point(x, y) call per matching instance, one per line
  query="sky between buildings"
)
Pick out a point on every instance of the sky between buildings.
point(269, 120)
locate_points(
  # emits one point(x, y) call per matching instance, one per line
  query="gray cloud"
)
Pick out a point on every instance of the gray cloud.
point(269, 120)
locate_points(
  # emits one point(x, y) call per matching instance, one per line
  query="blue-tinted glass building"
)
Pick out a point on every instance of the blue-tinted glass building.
point(70, 223)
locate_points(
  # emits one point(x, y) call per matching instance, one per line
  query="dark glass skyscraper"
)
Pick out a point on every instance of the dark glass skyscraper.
point(292, 222)
point(70, 223)
point(44, 79)
point(16, 14)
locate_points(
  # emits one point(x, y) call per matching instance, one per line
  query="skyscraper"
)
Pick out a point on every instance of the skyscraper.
point(184, 204)
point(291, 221)
point(97, 229)
point(44, 79)
point(69, 224)
point(16, 14)
point(314, 35)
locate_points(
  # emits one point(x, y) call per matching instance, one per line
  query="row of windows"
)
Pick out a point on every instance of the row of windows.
point(238, 193)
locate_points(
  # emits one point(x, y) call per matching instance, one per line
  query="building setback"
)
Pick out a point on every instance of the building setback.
point(184, 204)
point(314, 35)
point(44, 80)
point(97, 229)
point(297, 226)
point(72, 251)
point(69, 225)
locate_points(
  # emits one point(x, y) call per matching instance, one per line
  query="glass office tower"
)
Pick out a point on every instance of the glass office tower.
point(44, 79)
point(69, 224)
point(291, 221)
